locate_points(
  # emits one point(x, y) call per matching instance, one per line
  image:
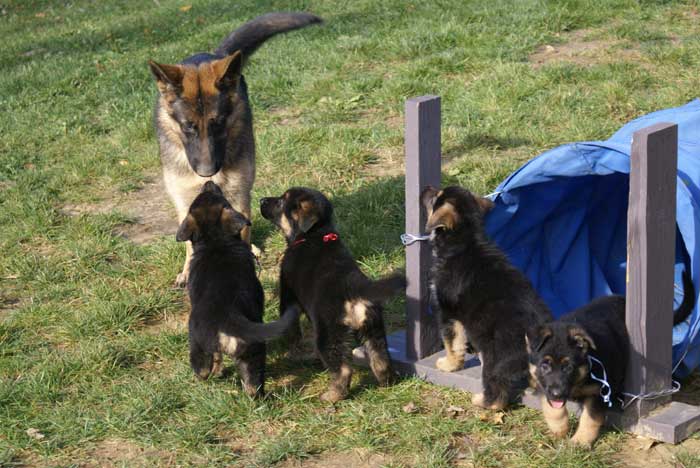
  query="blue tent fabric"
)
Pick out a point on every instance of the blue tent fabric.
point(562, 219)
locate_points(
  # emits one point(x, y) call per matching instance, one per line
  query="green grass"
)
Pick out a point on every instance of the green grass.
point(83, 359)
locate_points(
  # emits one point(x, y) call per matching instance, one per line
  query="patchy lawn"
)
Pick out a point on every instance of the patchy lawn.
point(93, 344)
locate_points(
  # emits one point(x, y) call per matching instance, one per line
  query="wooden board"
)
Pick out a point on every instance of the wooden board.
point(423, 160)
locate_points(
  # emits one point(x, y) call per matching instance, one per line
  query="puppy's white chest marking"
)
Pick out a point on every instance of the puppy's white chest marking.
point(355, 313)
point(229, 344)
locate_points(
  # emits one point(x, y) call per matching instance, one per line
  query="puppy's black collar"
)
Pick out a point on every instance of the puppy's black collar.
point(330, 237)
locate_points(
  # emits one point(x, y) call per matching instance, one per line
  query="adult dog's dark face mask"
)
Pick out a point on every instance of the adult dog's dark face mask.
point(558, 357)
point(297, 211)
point(200, 96)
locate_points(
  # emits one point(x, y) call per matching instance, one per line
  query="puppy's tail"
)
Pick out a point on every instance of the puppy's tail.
point(252, 34)
point(382, 289)
point(686, 307)
point(257, 332)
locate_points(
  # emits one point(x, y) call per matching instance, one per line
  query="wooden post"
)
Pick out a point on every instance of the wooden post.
point(423, 161)
point(651, 241)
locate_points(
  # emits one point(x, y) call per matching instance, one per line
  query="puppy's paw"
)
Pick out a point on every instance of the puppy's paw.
point(478, 399)
point(253, 391)
point(581, 440)
point(181, 280)
point(256, 251)
point(332, 395)
point(447, 365)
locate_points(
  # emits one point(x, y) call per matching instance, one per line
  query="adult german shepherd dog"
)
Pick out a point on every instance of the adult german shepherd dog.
point(204, 122)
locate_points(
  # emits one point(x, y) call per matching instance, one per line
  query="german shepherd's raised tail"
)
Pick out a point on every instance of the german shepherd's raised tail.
point(204, 122)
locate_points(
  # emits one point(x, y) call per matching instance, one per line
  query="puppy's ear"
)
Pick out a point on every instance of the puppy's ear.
point(445, 217)
point(232, 221)
point(536, 337)
point(168, 77)
point(428, 197)
point(485, 204)
point(188, 230)
point(582, 339)
point(227, 70)
point(306, 215)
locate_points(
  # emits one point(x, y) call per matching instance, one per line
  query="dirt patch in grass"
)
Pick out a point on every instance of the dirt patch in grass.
point(579, 49)
point(149, 208)
point(120, 452)
point(354, 459)
point(640, 453)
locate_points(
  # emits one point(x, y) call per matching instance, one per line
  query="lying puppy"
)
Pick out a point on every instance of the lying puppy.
point(226, 296)
point(561, 367)
point(481, 300)
point(319, 274)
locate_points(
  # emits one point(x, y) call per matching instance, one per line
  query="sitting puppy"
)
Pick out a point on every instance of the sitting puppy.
point(226, 296)
point(591, 339)
point(320, 275)
point(481, 300)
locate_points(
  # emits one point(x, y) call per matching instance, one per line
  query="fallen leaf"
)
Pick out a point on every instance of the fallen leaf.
point(410, 408)
point(497, 418)
point(40, 15)
point(185, 8)
point(35, 434)
point(646, 444)
point(123, 162)
point(29, 166)
point(454, 410)
point(548, 48)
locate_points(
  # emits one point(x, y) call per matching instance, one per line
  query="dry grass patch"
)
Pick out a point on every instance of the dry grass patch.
point(149, 207)
point(579, 48)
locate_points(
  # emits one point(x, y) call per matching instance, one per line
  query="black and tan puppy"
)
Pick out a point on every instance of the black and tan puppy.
point(226, 296)
point(563, 353)
point(320, 275)
point(481, 300)
point(204, 122)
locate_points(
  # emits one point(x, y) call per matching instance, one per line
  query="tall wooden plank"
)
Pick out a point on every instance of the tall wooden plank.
point(422, 146)
point(651, 234)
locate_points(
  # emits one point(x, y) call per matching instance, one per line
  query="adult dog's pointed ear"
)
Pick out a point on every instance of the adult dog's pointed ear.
point(582, 339)
point(168, 77)
point(188, 230)
point(536, 337)
point(306, 215)
point(227, 70)
point(444, 217)
point(232, 221)
point(485, 204)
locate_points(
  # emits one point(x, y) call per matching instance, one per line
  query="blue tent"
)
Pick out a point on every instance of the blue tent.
point(562, 219)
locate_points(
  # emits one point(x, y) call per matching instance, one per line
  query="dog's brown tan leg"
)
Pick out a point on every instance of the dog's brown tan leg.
point(592, 418)
point(557, 418)
point(454, 336)
point(339, 386)
point(217, 365)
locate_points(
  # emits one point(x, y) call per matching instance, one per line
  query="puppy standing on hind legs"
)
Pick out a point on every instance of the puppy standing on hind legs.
point(319, 275)
point(226, 295)
point(204, 122)
point(481, 300)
